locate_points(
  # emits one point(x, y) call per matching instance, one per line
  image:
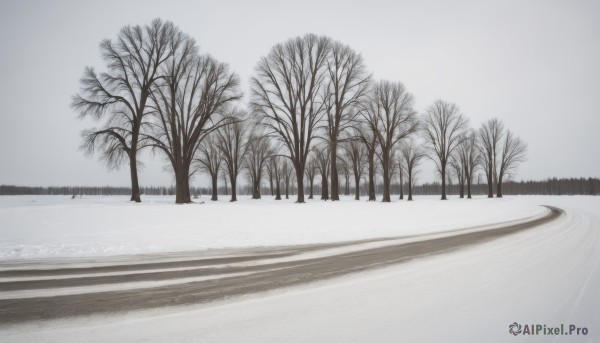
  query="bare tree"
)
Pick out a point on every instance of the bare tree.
point(412, 155)
point(356, 156)
point(323, 165)
point(390, 115)
point(443, 128)
point(118, 98)
point(257, 154)
point(311, 171)
point(189, 103)
point(286, 94)
point(347, 85)
point(232, 140)
point(469, 158)
point(513, 152)
point(210, 159)
point(490, 135)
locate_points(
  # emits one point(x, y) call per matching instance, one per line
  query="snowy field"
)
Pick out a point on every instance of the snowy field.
point(34, 227)
point(549, 275)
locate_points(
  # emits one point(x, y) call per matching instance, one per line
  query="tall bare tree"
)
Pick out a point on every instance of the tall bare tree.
point(356, 156)
point(443, 128)
point(257, 155)
point(469, 158)
point(286, 90)
point(118, 98)
point(490, 135)
point(346, 87)
point(513, 152)
point(391, 117)
point(232, 140)
point(412, 154)
point(323, 165)
point(209, 159)
point(189, 103)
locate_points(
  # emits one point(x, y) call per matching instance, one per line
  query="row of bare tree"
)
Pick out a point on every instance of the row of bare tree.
point(314, 109)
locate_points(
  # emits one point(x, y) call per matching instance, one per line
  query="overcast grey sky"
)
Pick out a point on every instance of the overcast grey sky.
point(533, 64)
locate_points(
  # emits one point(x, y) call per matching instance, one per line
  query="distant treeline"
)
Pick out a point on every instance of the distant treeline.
point(553, 186)
point(583, 186)
point(84, 190)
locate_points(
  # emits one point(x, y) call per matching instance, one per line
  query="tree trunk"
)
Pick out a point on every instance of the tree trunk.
point(499, 187)
point(300, 179)
point(462, 187)
point(489, 181)
point(182, 186)
point(495, 174)
point(135, 187)
point(311, 180)
point(410, 185)
point(233, 181)
point(334, 173)
point(386, 178)
point(347, 184)
point(386, 188)
point(469, 187)
point(287, 188)
point(271, 183)
point(214, 197)
point(187, 198)
point(255, 188)
point(401, 181)
point(324, 188)
point(372, 196)
point(444, 182)
point(179, 194)
point(277, 189)
point(357, 185)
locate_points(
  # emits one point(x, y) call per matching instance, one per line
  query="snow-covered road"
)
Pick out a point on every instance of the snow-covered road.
point(33, 294)
point(548, 276)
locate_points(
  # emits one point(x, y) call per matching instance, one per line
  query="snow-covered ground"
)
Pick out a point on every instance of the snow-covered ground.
point(33, 227)
point(548, 276)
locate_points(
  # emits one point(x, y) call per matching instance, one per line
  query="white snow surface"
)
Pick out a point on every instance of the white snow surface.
point(39, 227)
point(548, 275)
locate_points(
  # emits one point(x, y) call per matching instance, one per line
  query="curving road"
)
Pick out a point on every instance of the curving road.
point(28, 294)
